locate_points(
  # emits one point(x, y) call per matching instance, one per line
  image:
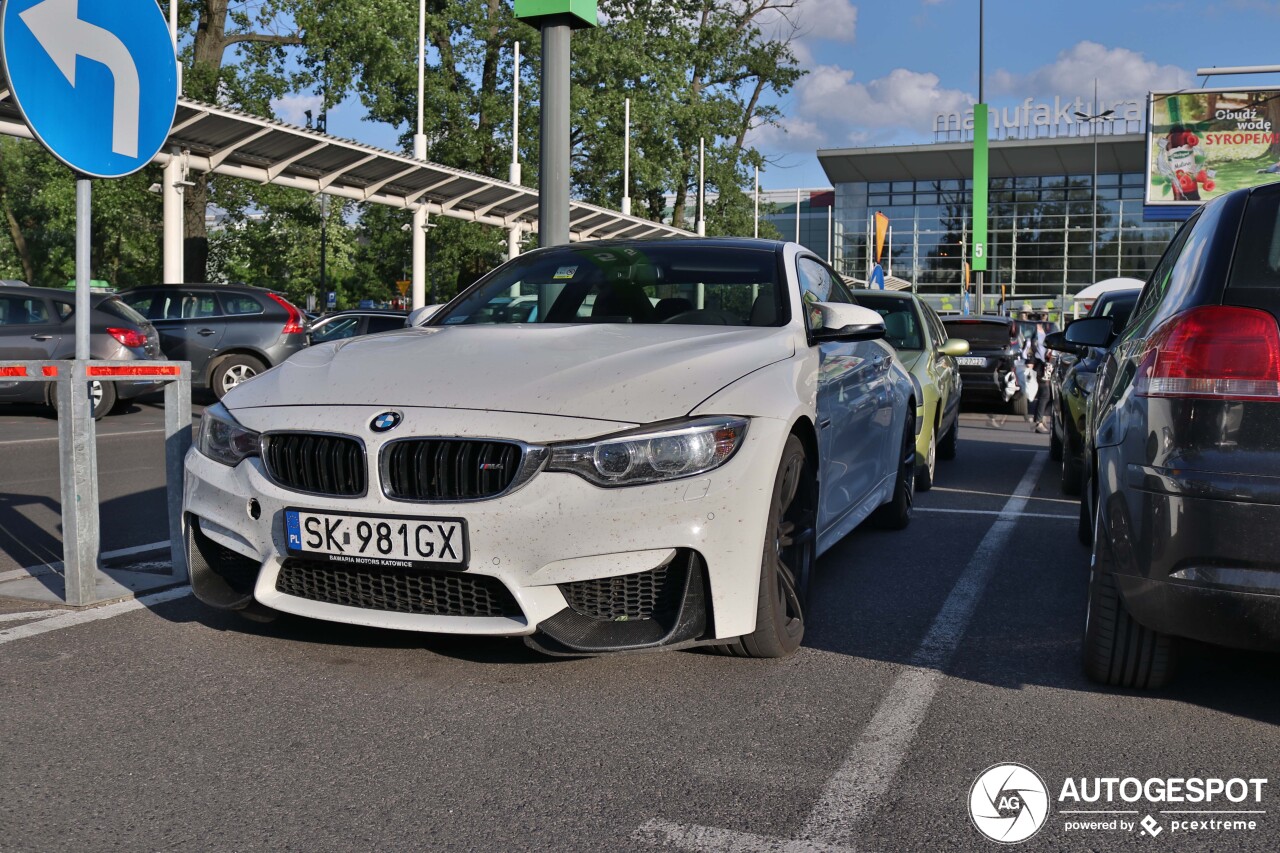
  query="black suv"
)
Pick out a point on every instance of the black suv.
point(990, 372)
point(229, 332)
point(1182, 452)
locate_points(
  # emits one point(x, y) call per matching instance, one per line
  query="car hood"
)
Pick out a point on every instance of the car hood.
point(630, 374)
point(910, 359)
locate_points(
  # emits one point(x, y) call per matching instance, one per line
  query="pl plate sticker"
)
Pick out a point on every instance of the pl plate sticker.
point(565, 273)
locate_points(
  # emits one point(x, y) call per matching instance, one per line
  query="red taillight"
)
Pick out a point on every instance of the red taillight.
point(129, 338)
point(296, 324)
point(1216, 352)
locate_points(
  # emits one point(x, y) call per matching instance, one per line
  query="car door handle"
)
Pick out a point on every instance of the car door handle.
point(205, 332)
point(39, 337)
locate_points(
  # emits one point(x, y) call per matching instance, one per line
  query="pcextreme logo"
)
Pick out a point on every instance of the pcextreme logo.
point(1009, 803)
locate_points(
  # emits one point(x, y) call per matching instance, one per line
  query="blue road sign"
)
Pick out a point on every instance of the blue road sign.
point(877, 278)
point(97, 80)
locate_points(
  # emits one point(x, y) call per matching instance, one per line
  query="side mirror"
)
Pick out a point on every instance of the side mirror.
point(954, 347)
point(1058, 341)
point(1091, 332)
point(840, 321)
point(420, 316)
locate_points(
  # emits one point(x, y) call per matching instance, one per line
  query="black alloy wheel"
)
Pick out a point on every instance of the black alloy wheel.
point(786, 569)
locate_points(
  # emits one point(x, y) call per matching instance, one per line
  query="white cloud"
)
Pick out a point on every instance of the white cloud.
point(291, 108)
point(1122, 74)
point(832, 20)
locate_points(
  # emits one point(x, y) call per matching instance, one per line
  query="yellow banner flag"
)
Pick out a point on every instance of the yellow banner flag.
point(882, 228)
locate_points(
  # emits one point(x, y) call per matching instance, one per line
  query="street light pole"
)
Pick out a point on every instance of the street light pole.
point(1093, 131)
point(418, 293)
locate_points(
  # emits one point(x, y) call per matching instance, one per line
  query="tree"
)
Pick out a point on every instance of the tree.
point(694, 70)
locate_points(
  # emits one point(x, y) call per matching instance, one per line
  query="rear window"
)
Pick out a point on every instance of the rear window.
point(239, 303)
point(115, 308)
point(1257, 258)
point(979, 335)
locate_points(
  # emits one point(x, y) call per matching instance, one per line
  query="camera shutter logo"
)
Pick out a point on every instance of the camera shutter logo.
point(1009, 803)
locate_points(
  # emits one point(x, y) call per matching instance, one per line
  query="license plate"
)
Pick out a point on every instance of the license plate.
point(971, 361)
point(372, 540)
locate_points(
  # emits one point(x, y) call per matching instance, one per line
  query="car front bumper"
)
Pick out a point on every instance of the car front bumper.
point(556, 530)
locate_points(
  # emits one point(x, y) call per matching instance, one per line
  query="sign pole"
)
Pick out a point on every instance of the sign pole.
point(553, 177)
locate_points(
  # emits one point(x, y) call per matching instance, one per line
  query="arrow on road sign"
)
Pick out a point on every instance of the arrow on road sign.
point(56, 25)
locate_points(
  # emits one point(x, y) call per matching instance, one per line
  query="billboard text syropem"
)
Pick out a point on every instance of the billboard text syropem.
point(1203, 143)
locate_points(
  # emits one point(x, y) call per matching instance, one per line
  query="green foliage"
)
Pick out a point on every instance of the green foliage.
point(693, 69)
point(38, 197)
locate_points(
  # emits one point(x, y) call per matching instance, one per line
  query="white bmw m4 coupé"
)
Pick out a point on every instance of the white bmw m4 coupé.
point(599, 447)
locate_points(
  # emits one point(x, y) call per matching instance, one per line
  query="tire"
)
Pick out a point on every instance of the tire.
point(1071, 475)
point(925, 473)
point(1055, 443)
point(1117, 650)
point(896, 514)
point(947, 447)
point(1084, 526)
point(786, 566)
point(104, 399)
point(233, 370)
point(1019, 404)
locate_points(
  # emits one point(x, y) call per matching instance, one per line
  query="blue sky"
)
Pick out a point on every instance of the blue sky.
point(880, 72)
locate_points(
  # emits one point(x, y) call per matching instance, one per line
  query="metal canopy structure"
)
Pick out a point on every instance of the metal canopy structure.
point(228, 142)
point(1009, 158)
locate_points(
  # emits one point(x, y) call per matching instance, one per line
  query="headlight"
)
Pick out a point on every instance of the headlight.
point(653, 454)
point(223, 440)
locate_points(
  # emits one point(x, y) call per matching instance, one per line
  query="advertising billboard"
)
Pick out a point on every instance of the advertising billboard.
point(1203, 143)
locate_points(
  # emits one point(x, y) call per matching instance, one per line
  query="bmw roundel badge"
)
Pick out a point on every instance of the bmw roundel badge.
point(386, 422)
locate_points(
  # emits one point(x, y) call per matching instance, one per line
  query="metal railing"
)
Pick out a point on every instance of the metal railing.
point(78, 458)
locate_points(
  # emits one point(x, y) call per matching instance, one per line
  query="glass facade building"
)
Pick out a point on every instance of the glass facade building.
point(1041, 214)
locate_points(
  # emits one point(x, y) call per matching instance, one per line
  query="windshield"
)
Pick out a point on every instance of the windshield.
point(901, 322)
point(980, 335)
point(684, 284)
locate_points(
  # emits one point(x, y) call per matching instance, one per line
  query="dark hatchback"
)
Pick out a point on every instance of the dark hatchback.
point(229, 332)
point(1072, 383)
point(1183, 452)
point(995, 353)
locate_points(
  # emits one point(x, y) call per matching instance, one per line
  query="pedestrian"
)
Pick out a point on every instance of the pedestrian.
point(1039, 360)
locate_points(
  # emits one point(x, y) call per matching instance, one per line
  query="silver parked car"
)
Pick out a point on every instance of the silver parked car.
point(38, 324)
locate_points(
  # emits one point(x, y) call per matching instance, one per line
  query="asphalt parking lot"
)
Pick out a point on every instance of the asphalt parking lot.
point(931, 654)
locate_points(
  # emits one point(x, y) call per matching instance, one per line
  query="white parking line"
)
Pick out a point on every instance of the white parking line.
point(871, 766)
point(99, 435)
point(36, 571)
point(1072, 501)
point(69, 619)
point(709, 839)
point(998, 512)
point(28, 614)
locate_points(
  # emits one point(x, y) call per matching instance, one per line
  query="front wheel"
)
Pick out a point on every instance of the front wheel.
point(787, 564)
point(925, 473)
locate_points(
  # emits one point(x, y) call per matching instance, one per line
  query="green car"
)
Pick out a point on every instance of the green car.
point(915, 330)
